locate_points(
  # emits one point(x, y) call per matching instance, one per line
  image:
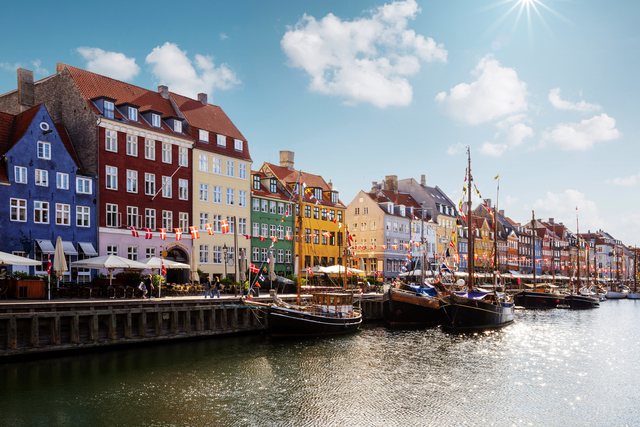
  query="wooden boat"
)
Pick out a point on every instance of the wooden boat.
point(577, 301)
point(621, 293)
point(539, 298)
point(411, 306)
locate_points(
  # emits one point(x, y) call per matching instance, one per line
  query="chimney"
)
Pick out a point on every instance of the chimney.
point(163, 91)
point(423, 180)
point(391, 183)
point(286, 159)
point(59, 67)
point(330, 184)
point(551, 220)
point(26, 97)
point(501, 212)
point(202, 97)
point(374, 187)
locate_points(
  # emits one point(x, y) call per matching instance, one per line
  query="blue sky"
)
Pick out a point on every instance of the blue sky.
point(543, 92)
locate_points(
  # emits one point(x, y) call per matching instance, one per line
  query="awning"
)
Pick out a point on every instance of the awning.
point(68, 248)
point(88, 249)
point(46, 247)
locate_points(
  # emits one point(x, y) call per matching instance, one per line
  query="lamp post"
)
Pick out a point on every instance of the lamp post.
point(224, 254)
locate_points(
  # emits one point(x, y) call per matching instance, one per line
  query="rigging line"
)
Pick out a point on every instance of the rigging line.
point(163, 185)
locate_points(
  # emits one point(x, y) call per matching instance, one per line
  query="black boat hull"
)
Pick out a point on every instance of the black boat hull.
point(407, 310)
point(285, 322)
point(580, 302)
point(461, 314)
point(537, 300)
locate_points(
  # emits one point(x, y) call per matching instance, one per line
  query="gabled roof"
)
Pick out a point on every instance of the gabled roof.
point(287, 176)
point(23, 120)
point(398, 199)
point(266, 192)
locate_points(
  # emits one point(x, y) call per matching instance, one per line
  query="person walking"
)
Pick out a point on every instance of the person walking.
point(216, 287)
point(149, 284)
point(207, 288)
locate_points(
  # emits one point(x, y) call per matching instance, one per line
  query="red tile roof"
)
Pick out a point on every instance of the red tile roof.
point(23, 120)
point(288, 176)
point(64, 136)
point(6, 127)
point(265, 192)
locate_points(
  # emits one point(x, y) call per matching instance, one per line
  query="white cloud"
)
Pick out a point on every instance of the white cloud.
point(518, 133)
point(364, 60)
point(14, 67)
point(582, 106)
point(562, 208)
point(493, 150)
point(112, 64)
point(38, 69)
point(509, 201)
point(223, 36)
point(10, 67)
point(629, 181)
point(496, 93)
point(455, 149)
point(173, 68)
point(582, 136)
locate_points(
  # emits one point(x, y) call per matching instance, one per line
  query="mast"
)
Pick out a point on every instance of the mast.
point(424, 256)
point(635, 269)
point(553, 261)
point(344, 258)
point(470, 225)
point(495, 238)
point(299, 184)
point(533, 248)
point(578, 232)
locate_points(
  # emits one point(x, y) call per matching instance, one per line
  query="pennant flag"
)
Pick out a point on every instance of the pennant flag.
point(406, 246)
point(49, 266)
point(287, 237)
point(194, 233)
point(209, 229)
point(163, 233)
point(274, 239)
point(384, 247)
point(254, 268)
point(394, 246)
point(372, 247)
point(262, 238)
point(134, 232)
point(147, 234)
point(164, 269)
point(309, 271)
point(247, 236)
point(224, 224)
point(349, 273)
point(417, 244)
point(327, 235)
point(497, 176)
point(178, 233)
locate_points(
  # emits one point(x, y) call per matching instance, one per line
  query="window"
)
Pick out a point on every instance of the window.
point(242, 225)
point(62, 181)
point(111, 178)
point(256, 228)
point(230, 167)
point(19, 210)
point(83, 185)
point(280, 256)
point(316, 236)
point(323, 214)
point(183, 219)
point(203, 192)
point(41, 212)
point(216, 255)
point(42, 177)
point(272, 207)
point(316, 212)
point(112, 215)
point(203, 162)
point(232, 224)
point(167, 220)
point(265, 206)
point(155, 120)
point(273, 186)
point(204, 219)
point(256, 255)
point(272, 230)
point(365, 210)
point(166, 152)
point(204, 253)
point(20, 174)
point(237, 144)
point(149, 184)
point(63, 214)
point(183, 189)
point(324, 237)
point(150, 218)
point(339, 216)
point(363, 226)
point(332, 239)
point(83, 218)
point(166, 187)
point(150, 252)
point(215, 223)
point(132, 113)
point(230, 196)
point(112, 250)
point(203, 135)
point(307, 211)
point(132, 145)
point(280, 208)
point(132, 216)
point(256, 205)
point(356, 211)
point(132, 181)
point(242, 171)
point(289, 232)
point(265, 230)
point(183, 157)
point(318, 194)
point(221, 140)
point(44, 150)
point(108, 109)
point(242, 198)
point(111, 140)
point(132, 253)
point(265, 255)
point(217, 165)
point(177, 126)
point(216, 194)
point(287, 256)
point(280, 232)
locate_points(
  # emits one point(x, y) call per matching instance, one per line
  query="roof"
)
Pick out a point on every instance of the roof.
point(397, 198)
point(287, 176)
point(264, 191)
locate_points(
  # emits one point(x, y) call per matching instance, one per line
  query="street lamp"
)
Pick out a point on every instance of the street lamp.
point(224, 253)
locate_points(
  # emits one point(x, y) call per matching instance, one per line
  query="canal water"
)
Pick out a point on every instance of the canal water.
point(550, 368)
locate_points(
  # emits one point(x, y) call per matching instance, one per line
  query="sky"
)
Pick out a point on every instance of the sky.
point(544, 93)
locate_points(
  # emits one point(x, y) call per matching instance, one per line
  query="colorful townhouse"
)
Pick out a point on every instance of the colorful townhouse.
point(272, 225)
point(483, 245)
point(46, 193)
point(221, 186)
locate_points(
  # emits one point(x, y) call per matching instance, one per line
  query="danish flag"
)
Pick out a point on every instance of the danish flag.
point(287, 211)
point(394, 246)
point(254, 268)
point(274, 239)
point(287, 237)
point(384, 247)
point(164, 270)
point(178, 233)
point(209, 229)
point(349, 273)
point(225, 226)
point(247, 236)
point(49, 266)
point(134, 232)
point(309, 271)
point(262, 238)
point(147, 234)
point(163, 233)
point(194, 233)
point(406, 246)
point(327, 235)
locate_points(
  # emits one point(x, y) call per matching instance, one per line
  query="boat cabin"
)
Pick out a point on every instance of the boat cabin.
point(337, 303)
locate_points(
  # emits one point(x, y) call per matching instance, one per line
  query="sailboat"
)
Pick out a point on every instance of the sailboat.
point(474, 310)
point(328, 313)
point(577, 301)
point(622, 291)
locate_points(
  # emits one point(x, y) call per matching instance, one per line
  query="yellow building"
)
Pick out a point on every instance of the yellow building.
point(221, 187)
point(322, 213)
point(483, 244)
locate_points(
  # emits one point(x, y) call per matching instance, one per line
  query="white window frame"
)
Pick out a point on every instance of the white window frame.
point(18, 210)
point(150, 149)
point(150, 184)
point(216, 194)
point(242, 225)
point(242, 171)
point(62, 181)
point(155, 120)
point(230, 168)
point(63, 214)
point(166, 153)
point(183, 221)
point(111, 140)
point(203, 192)
point(20, 175)
point(133, 217)
point(84, 185)
point(132, 181)
point(42, 178)
point(150, 218)
point(203, 135)
point(183, 189)
point(177, 126)
point(230, 196)
point(109, 109)
point(132, 145)
point(112, 250)
point(237, 144)
point(40, 212)
point(132, 113)
point(221, 140)
point(132, 253)
point(216, 254)
point(167, 190)
point(167, 220)
point(242, 199)
point(204, 219)
point(111, 178)
point(203, 162)
point(112, 218)
point(204, 254)
point(83, 216)
point(256, 205)
point(44, 150)
point(183, 157)
point(216, 165)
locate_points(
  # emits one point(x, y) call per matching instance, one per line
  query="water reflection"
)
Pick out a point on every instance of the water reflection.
point(554, 367)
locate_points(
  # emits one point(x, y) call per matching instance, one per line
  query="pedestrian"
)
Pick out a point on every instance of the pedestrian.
point(143, 288)
point(216, 287)
point(207, 287)
point(149, 284)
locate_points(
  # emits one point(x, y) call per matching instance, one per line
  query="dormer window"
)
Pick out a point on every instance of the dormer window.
point(273, 185)
point(109, 108)
point(334, 197)
point(177, 126)
point(390, 207)
point(402, 210)
point(203, 136)
point(221, 140)
point(256, 182)
point(133, 114)
point(237, 143)
point(318, 193)
point(155, 120)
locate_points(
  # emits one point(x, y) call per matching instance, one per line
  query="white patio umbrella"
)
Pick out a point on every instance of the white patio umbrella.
point(9, 259)
point(59, 261)
point(155, 263)
point(109, 262)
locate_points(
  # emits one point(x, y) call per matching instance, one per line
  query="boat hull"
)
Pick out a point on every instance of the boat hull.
point(407, 310)
point(580, 302)
point(633, 295)
point(616, 295)
point(461, 314)
point(537, 300)
point(286, 322)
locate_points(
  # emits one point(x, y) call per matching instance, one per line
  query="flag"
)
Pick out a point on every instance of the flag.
point(254, 268)
point(497, 176)
point(194, 233)
point(49, 266)
point(262, 238)
point(178, 233)
point(287, 237)
point(209, 229)
point(327, 235)
point(163, 233)
point(384, 247)
point(134, 232)
point(147, 234)
point(274, 239)
point(247, 236)
point(309, 271)
point(224, 224)
point(164, 269)
point(349, 273)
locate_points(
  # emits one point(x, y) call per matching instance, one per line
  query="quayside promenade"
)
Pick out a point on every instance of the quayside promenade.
point(37, 327)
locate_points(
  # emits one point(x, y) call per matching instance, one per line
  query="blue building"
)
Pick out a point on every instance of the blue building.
point(44, 193)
